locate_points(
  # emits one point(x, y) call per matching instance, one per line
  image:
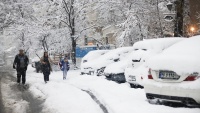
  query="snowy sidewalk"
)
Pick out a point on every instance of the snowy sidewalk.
point(59, 96)
point(66, 96)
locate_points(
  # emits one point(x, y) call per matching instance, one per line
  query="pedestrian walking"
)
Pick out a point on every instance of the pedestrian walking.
point(21, 62)
point(46, 66)
point(64, 65)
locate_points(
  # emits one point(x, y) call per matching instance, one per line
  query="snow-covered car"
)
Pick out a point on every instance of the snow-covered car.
point(115, 71)
point(98, 65)
point(137, 70)
point(174, 74)
point(90, 57)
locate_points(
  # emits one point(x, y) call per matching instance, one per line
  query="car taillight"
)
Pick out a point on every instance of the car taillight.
point(192, 77)
point(150, 77)
point(149, 74)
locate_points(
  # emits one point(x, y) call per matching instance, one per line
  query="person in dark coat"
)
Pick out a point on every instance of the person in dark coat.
point(21, 62)
point(64, 65)
point(46, 66)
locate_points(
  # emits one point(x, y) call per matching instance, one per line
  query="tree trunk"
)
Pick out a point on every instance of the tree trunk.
point(74, 51)
point(178, 31)
point(73, 34)
point(160, 23)
point(73, 43)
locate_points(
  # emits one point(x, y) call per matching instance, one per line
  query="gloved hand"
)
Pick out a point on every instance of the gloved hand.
point(14, 67)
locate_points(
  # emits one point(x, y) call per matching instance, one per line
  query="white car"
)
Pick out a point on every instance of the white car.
point(137, 70)
point(90, 57)
point(98, 65)
point(115, 71)
point(174, 74)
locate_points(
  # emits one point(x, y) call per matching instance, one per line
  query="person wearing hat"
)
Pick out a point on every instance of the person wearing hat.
point(21, 62)
point(64, 65)
point(46, 66)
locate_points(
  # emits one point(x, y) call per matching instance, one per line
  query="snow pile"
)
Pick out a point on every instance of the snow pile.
point(120, 98)
point(182, 58)
point(59, 96)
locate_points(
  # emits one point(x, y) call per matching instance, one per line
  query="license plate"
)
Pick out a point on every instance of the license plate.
point(132, 78)
point(168, 75)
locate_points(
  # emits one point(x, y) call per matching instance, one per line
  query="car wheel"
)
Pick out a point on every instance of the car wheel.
point(132, 85)
point(100, 72)
point(136, 86)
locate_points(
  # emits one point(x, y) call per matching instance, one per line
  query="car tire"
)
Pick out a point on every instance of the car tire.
point(100, 72)
point(132, 85)
point(136, 86)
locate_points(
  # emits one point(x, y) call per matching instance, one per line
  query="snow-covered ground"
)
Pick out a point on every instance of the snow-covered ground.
point(68, 96)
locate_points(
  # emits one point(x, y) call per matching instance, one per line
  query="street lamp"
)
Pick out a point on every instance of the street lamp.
point(192, 30)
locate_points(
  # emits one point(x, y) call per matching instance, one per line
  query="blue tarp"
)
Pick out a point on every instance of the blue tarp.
point(82, 51)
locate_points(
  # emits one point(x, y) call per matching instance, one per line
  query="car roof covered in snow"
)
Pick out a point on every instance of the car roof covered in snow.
point(157, 45)
point(148, 48)
point(182, 57)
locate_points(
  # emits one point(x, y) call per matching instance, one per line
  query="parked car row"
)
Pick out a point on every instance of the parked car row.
point(97, 65)
point(167, 68)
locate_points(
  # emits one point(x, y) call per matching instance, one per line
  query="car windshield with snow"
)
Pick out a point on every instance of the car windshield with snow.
point(137, 70)
point(174, 74)
point(98, 65)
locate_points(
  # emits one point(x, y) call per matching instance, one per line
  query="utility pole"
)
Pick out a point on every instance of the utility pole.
point(179, 6)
